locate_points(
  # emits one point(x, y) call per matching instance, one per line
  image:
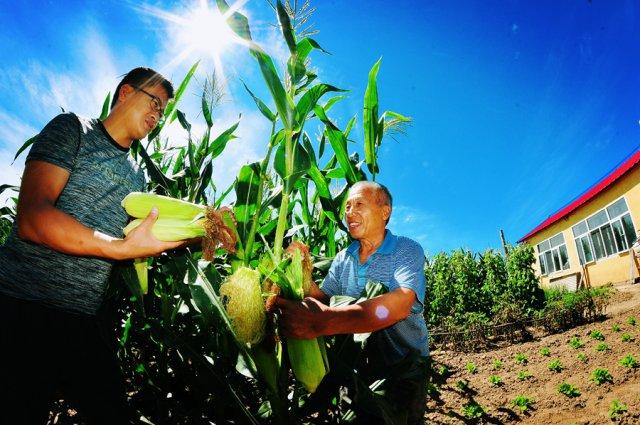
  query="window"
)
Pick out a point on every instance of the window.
point(553, 255)
point(605, 233)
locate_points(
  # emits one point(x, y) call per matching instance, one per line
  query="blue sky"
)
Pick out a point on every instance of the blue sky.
point(517, 106)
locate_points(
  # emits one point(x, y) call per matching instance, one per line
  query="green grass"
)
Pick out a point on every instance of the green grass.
point(569, 390)
point(602, 347)
point(544, 351)
point(495, 380)
point(600, 376)
point(576, 343)
point(472, 368)
point(522, 402)
point(597, 335)
point(555, 365)
point(627, 337)
point(523, 375)
point(616, 409)
point(629, 361)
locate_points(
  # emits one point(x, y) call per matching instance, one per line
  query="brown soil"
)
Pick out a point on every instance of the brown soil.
point(549, 406)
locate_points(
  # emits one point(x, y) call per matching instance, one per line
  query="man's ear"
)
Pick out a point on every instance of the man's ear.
point(386, 212)
point(125, 91)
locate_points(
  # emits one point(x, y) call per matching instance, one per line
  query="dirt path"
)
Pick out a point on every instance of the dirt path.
point(541, 386)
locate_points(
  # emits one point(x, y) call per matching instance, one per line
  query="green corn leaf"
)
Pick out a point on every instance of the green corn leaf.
point(203, 182)
point(222, 197)
point(236, 21)
point(182, 119)
point(286, 27)
point(306, 45)
point(301, 164)
point(339, 144)
point(24, 146)
point(169, 111)
point(349, 127)
point(370, 119)
point(246, 187)
point(155, 174)
point(297, 69)
point(284, 103)
point(264, 109)
point(106, 106)
point(310, 99)
point(219, 143)
point(310, 78)
point(335, 99)
point(206, 110)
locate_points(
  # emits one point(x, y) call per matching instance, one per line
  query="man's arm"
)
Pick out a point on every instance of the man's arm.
point(39, 221)
point(311, 318)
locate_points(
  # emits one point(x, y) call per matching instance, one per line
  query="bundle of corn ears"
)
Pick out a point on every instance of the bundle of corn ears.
point(180, 220)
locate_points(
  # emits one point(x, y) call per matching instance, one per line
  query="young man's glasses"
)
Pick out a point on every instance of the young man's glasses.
point(155, 103)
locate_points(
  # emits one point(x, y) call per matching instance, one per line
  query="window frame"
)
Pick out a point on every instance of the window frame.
point(600, 231)
point(550, 256)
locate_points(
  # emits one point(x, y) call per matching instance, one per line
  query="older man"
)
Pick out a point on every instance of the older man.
point(400, 333)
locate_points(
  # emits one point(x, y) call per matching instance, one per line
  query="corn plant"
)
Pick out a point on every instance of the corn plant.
point(582, 357)
point(631, 321)
point(463, 385)
point(600, 376)
point(602, 347)
point(627, 337)
point(544, 351)
point(615, 328)
point(597, 335)
point(497, 364)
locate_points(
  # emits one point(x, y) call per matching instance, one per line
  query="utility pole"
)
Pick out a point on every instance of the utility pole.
point(504, 243)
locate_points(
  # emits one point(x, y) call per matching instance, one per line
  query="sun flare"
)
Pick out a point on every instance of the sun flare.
point(200, 32)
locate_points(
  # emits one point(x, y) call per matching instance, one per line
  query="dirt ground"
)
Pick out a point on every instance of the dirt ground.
point(549, 406)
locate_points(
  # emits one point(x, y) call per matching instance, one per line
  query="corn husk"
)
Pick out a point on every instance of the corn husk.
point(139, 205)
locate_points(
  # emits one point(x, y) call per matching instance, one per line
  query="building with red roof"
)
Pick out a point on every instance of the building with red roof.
point(589, 241)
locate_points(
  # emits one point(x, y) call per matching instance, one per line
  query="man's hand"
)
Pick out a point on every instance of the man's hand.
point(141, 243)
point(311, 318)
point(300, 319)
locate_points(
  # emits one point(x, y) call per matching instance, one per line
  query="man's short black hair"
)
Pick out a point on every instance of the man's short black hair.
point(143, 77)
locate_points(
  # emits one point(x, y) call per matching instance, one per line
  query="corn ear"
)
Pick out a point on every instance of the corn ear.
point(142, 271)
point(308, 361)
point(242, 298)
point(171, 229)
point(139, 204)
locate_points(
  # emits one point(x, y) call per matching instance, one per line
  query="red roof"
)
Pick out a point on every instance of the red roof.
point(591, 193)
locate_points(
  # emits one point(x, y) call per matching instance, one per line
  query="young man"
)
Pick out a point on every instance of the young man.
point(55, 264)
point(398, 350)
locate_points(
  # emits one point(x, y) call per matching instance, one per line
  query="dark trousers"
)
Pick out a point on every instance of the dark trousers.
point(45, 350)
point(405, 392)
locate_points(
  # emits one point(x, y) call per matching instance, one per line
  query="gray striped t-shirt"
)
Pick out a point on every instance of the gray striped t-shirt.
point(102, 173)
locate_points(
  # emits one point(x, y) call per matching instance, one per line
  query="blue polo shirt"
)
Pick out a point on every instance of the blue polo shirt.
point(397, 263)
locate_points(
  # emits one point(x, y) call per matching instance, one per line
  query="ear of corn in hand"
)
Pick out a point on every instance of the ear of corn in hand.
point(179, 220)
point(242, 297)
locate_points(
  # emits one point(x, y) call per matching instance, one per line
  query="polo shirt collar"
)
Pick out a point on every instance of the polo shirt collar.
point(388, 245)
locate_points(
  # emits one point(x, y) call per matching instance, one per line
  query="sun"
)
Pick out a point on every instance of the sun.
point(200, 32)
